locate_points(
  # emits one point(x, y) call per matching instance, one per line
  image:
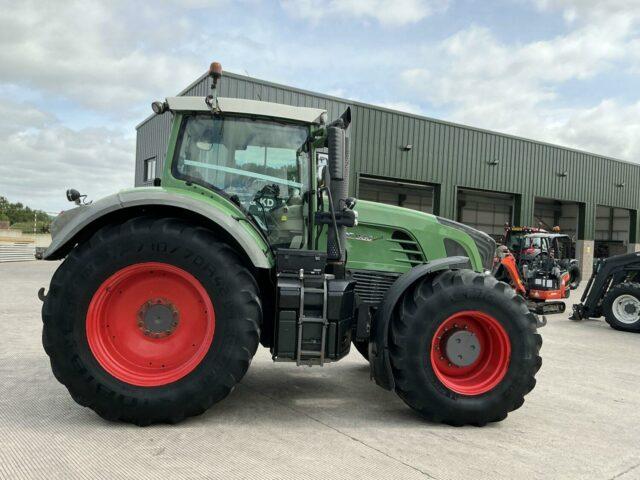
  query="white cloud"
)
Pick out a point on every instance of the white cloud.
point(91, 52)
point(41, 158)
point(593, 9)
point(515, 88)
point(395, 13)
point(610, 128)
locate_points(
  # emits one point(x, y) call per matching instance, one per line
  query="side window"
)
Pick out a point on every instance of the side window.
point(544, 245)
point(272, 161)
point(201, 151)
point(251, 158)
point(149, 169)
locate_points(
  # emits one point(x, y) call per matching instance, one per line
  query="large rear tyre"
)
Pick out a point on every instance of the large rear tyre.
point(151, 321)
point(621, 307)
point(464, 348)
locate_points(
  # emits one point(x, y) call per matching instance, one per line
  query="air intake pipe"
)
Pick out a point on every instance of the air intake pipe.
point(338, 146)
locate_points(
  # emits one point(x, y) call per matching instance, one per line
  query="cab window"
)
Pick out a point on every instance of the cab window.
point(260, 165)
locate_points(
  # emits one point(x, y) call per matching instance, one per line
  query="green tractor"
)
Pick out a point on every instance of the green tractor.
point(249, 236)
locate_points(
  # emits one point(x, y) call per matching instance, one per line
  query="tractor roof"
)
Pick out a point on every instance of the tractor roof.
point(249, 107)
point(525, 229)
point(547, 235)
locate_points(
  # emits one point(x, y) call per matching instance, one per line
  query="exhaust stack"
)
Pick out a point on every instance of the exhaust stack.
point(339, 164)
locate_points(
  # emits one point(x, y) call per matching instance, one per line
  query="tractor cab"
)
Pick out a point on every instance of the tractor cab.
point(261, 165)
point(515, 239)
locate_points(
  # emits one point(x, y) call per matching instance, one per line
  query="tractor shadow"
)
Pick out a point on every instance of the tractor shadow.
point(269, 394)
point(341, 394)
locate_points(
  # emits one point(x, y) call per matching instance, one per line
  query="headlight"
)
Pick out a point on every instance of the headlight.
point(485, 244)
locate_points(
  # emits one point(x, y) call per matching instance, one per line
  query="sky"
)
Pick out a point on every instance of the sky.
point(77, 77)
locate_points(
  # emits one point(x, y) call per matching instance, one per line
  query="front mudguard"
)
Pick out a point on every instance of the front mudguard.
point(379, 341)
point(70, 225)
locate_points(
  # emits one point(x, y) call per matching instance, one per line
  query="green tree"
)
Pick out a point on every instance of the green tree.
point(23, 217)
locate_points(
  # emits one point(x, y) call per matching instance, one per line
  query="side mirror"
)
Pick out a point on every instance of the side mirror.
point(73, 195)
point(76, 197)
point(324, 176)
point(321, 163)
point(350, 202)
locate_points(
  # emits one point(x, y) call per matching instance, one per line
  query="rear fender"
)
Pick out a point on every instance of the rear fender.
point(379, 348)
point(70, 226)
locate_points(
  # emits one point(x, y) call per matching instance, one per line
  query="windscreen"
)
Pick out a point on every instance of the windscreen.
point(261, 165)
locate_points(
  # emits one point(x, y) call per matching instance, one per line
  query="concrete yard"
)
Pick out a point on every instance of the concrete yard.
point(581, 421)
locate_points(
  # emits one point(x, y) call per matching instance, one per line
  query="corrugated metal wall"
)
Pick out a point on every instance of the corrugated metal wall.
point(442, 153)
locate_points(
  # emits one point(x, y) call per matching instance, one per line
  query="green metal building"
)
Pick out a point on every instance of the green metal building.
point(479, 177)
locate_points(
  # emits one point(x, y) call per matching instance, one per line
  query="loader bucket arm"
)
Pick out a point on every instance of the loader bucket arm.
point(609, 271)
point(508, 262)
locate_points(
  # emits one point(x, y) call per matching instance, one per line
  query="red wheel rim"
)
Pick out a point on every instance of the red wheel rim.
point(488, 361)
point(150, 324)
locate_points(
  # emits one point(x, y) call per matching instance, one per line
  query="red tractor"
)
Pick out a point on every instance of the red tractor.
point(514, 238)
point(529, 244)
point(542, 281)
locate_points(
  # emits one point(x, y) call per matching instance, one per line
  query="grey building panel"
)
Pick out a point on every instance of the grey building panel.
point(443, 153)
point(151, 142)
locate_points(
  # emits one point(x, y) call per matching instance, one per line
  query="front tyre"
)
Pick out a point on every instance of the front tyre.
point(464, 348)
point(151, 321)
point(621, 307)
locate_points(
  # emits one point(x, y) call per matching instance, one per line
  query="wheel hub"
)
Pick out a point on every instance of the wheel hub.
point(470, 352)
point(626, 308)
point(462, 348)
point(150, 324)
point(158, 318)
